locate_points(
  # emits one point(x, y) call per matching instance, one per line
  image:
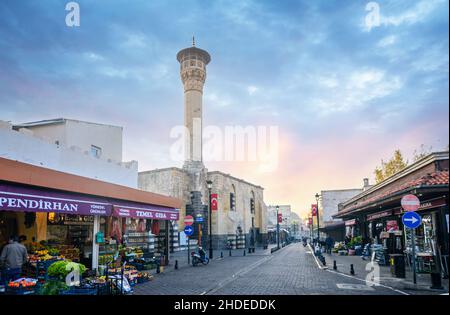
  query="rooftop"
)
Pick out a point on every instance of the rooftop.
point(55, 121)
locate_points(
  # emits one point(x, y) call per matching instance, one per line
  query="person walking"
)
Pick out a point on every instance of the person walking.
point(13, 257)
point(329, 242)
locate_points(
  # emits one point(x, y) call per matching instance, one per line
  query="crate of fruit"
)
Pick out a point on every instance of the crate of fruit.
point(22, 286)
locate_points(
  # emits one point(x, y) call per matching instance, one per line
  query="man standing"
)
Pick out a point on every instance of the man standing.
point(329, 242)
point(13, 257)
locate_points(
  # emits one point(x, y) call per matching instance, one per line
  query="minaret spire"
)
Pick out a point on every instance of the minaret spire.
point(193, 41)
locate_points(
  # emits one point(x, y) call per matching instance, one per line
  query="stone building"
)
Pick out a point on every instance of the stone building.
point(241, 214)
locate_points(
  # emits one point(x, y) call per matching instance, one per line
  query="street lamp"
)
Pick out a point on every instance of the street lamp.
point(278, 229)
point(209, 185)
point(317, 212)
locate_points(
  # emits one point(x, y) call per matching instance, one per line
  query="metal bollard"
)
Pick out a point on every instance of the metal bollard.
point(352, 270)
point(221, 254)
point(229, 253)
point(176, 264)
point(334, 265)
point(244, 252)
point(158, 270)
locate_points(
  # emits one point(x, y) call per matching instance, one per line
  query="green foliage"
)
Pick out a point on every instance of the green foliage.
point(391, 167)
point(53, 287)
point(423, 152)
point(62, 268)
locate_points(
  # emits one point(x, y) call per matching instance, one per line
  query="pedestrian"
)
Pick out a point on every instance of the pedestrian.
point(13, 257)
point(329, 244)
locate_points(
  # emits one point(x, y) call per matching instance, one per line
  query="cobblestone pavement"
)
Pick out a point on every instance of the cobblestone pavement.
point(384, 277)
point(291, 270)
point(197, 280)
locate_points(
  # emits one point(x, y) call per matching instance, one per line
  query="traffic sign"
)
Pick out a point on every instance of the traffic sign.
point(188, 230)
point(188, 220)
point(200, 219)
point(411, 220)
point(410, 203)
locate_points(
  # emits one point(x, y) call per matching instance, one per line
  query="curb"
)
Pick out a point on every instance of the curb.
point(315, 258)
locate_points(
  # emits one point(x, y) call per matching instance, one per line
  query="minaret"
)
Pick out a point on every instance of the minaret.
point(193, 63)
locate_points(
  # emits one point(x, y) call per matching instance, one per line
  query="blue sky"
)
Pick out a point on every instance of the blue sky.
point(344, 96)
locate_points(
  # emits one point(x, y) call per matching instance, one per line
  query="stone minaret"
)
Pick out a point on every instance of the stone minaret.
point(193, 63)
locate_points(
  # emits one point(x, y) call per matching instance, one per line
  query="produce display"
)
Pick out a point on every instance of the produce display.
point(62, 268)
point(22, 283)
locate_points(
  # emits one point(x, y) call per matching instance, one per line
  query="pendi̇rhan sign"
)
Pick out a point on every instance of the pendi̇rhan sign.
point(31, 204)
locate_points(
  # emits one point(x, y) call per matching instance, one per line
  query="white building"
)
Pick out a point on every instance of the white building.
point(71, 146)
point(285, 211)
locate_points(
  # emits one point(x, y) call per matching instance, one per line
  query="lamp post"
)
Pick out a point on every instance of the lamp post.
point(278, 229)
point(209, 185)
point(317, 212)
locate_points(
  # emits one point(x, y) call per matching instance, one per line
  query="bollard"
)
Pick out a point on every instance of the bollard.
point(323, 260)
point(229, 253)
point(176, 264)
point(249, 250)
point(244, 252)
point(334, 265)
point(221, 254)
point(352, 270)
point(158, 270)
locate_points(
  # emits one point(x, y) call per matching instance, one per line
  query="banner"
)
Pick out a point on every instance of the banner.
point(280, 218)
point(214, 202)
point(314, 210)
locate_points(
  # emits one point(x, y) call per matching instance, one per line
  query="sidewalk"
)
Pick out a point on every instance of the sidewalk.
point(364, 267)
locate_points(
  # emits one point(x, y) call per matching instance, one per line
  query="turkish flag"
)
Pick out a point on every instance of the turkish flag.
point(280, 218)
point(214, 202)
point(314, 210)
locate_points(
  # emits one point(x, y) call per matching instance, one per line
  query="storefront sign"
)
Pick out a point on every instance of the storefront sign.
point(350, 222)
point(145, 212)
point(16, 198)
point(432, 204)
point(378, 215)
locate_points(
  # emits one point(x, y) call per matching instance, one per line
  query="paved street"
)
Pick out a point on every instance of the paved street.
point(291, 270)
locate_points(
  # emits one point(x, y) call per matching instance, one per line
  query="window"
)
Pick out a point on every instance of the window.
point(96, 151)
point(232, 202)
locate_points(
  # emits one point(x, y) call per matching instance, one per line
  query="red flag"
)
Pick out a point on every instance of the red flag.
point(314, 210)
point(214, 202)
point(280, 218)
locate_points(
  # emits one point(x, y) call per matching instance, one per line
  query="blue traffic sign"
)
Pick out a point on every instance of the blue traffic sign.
point(411, 220)
point(200, 219)
point(188, 230)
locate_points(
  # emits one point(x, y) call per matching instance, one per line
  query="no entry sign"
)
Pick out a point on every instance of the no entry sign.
point(410, 203)
point(188, 220)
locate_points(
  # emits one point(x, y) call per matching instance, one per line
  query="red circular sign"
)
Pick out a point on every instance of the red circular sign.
point(410, 203)
point(188, 220)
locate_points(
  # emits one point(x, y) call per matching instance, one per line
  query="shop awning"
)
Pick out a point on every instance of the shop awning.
point(141, 211)
point(19, 198)
point(30, 188)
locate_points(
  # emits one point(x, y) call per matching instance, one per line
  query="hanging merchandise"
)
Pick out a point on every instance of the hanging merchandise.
point(141, 226)
point(30, 218)
point(116, 230)
point(155, 227)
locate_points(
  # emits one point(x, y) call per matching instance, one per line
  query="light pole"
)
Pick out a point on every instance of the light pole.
point(209, 185)
point(317, 212)
point(278, 229)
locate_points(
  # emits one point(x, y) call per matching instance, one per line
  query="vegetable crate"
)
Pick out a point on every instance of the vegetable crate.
point(80, 291)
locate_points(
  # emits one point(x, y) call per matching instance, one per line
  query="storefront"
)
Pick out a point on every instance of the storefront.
point(379, 213)
point(61, 216)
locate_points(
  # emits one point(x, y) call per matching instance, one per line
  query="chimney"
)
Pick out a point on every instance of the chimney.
point(366, 183)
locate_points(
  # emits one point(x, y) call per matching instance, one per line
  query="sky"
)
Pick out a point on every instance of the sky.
point(344, 89)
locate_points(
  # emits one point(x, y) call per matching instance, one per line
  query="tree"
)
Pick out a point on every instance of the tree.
point(391, 167)
point(417, 155)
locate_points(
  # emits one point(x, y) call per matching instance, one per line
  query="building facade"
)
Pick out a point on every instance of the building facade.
point(53, 144)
